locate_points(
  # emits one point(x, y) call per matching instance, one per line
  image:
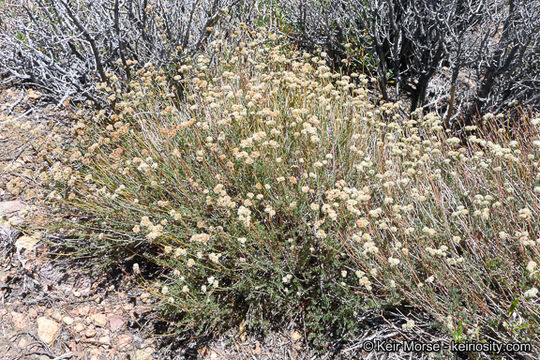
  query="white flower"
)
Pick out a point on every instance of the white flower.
point(244, 215)
point(531, 293)
point(531, 266)
point(214, 257)
point(200, 237)
point(525, 214)
point(453, 141)
point(408, 326)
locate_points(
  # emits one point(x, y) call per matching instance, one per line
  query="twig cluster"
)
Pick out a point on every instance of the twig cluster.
point(458, 57)
point(65, 47)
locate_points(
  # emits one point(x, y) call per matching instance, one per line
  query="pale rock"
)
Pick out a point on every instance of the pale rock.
point(8, 208)
point(27, 242)
point(9, 217)
point(56, 316)
point(47, 329)
point(32, 313)
point(22, 343)
point(295, 335)
point(83, 310)
point(7, 232)
point(99, 319)
point(68, 320)
point(143, 354)
point(123, 341)
point(19, 320)
point(115, 322)
point(104, 340)
point(90, 333)
point(78, 328)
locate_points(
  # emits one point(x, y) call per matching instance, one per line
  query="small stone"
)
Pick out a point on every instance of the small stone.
point(104, 340)
point(143, 354)
point(123, 341)
point(27, 242)
point(78, 328)
point(32, 313)
point(115, 322)
point(83, 310)
point(295, 335)
point(68, 320)
point(10, 207)
point(56, 316)
point(257, 350)
point(19, 320)
point(22, 343)
point(145, 297)
point(99, 319)
point(47, 329)
point(90, 333)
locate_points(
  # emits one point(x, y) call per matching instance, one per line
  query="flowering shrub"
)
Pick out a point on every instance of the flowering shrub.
point(277, 189)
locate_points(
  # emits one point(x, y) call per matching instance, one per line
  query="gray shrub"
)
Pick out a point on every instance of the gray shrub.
point(460, 58)
point(64, 47)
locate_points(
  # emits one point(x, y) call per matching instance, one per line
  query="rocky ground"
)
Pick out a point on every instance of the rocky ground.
point(51, 307)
